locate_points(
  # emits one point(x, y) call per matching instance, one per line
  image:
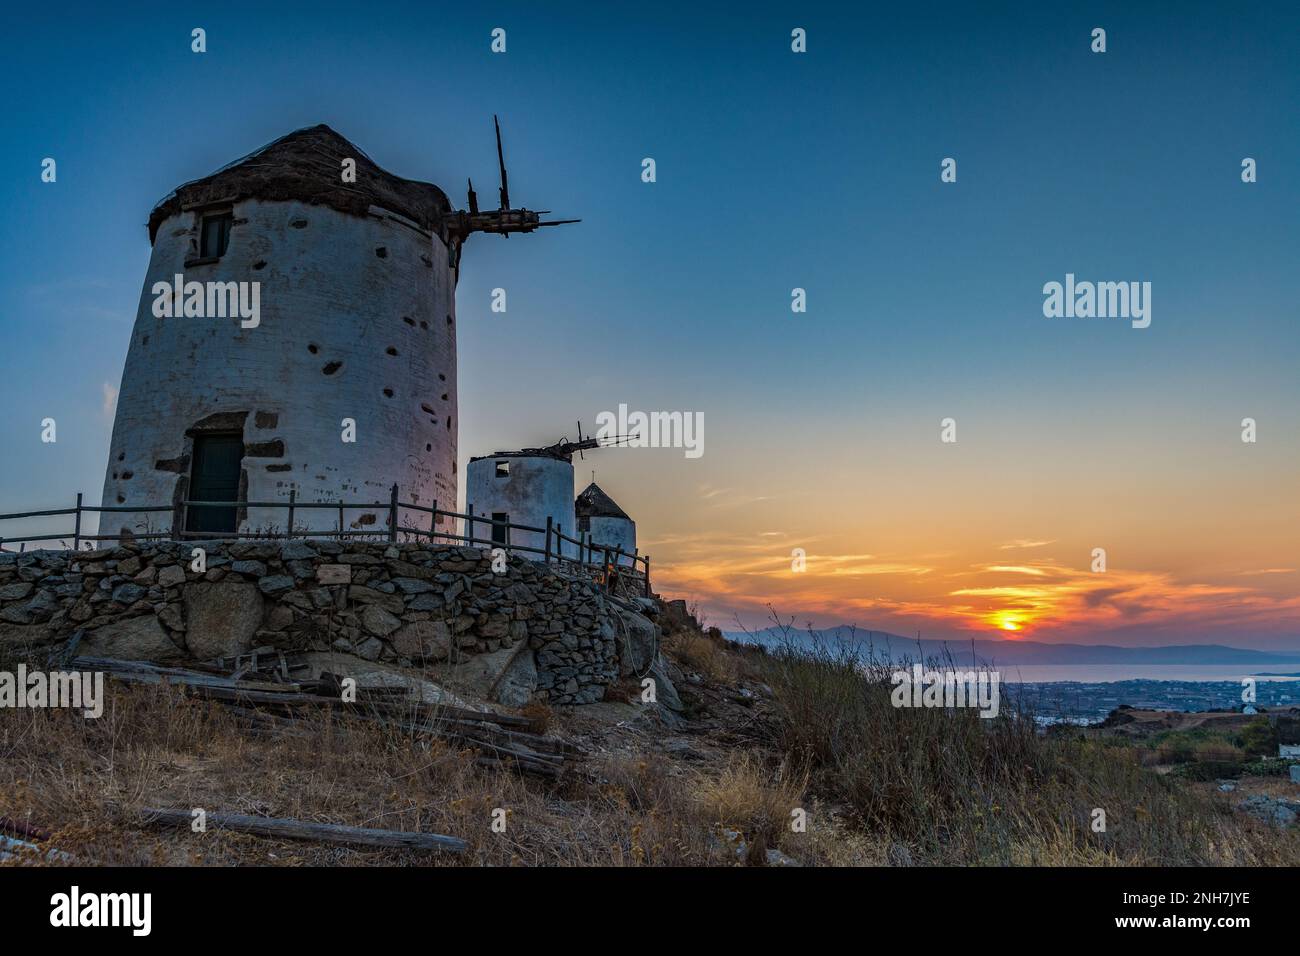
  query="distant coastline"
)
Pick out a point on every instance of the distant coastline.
point(1171, 662)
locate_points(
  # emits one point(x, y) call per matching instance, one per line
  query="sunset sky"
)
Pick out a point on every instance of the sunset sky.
point(775, 170)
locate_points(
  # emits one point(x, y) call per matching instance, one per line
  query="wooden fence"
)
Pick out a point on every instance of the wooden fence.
point(557, 546)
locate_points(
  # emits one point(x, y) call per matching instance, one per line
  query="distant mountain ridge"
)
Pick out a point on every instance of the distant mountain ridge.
point(894, 646)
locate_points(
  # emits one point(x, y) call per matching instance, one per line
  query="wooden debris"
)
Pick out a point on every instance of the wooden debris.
point(270, 708)
point(302, 830)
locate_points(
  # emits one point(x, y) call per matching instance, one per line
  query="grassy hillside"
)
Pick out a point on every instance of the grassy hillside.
point(765, 739)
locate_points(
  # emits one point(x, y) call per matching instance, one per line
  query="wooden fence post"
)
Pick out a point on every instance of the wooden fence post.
point(647, 575)
point(76, 534)
point(433, 522)
point(392, 514)
point(469, 522)
point(550, 521)
point(293, 495)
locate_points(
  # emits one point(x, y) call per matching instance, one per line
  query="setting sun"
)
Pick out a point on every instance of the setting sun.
point(1007, 620)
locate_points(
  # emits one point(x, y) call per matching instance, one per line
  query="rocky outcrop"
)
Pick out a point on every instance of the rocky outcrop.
point(507, 676)
point(131, 639)
point(638, 640)
point(1275, 810)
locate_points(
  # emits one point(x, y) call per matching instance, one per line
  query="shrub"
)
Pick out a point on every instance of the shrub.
point(1258, 738)
point(1211, 770)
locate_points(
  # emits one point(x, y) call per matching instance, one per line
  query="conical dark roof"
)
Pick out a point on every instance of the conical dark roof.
point(307, 165)
point(594, 503)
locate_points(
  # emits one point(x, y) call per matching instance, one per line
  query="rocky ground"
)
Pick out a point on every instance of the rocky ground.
point(684, 776)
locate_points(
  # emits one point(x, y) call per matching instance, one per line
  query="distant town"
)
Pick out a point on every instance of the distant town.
point(1079, 701)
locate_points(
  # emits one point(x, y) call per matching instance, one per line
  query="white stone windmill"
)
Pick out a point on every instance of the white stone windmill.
point(355, 281)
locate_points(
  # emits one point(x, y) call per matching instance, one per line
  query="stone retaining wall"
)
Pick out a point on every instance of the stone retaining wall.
point(408, 604)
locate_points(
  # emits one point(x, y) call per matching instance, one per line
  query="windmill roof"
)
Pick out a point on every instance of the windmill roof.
point(527, 453)
point(306, 165)
point(594, 503)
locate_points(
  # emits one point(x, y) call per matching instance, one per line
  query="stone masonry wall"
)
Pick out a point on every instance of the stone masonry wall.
point(409, 604)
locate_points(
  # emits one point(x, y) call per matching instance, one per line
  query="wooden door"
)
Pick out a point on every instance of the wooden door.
point(215, 477)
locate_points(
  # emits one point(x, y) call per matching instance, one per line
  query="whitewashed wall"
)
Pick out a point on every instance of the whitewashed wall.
point(536, 489)
point(614, 532)
point(327, 296)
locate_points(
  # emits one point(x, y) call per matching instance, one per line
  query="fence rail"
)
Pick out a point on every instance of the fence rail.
point(583, 550)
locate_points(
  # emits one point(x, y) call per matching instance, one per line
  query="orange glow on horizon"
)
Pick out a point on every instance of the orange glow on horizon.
point(959, 596)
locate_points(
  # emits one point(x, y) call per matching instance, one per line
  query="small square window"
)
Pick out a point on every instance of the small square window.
point(214, 235)
point(503, 469)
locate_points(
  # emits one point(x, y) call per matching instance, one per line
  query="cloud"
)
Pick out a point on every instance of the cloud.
point(904, 594)
point(729, 497)
point(1025, 543)
point(108, 408)
point(1015, 569)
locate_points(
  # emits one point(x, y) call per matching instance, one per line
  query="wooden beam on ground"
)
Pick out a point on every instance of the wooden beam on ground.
point(301, 830)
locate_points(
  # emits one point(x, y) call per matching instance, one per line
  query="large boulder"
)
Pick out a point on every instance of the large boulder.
point(507, 676)
point(131, 639)
point(665, 692)
point(637, 640)
point(518, 682)
point(221, 619)
point(378, 675)
point(424, 641)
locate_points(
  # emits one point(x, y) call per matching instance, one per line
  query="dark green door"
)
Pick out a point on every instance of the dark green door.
point(215, 477)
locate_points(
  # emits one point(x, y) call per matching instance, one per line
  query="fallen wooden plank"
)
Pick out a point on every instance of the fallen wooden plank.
point(490, 744)
point(289, 694)
point(146, 673)
point(301, 830)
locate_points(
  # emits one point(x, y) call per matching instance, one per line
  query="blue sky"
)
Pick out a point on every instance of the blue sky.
point(775, 170)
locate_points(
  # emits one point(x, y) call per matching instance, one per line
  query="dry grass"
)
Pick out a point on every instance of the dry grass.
point(704, 654)
point(539, 714)
point(950, 787)
point(959, 789)
point(88, 779)
point(752, 802)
